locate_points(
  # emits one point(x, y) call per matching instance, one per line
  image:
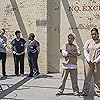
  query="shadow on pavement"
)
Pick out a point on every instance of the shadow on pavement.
point(3, 78)
point(40, 87)
point(14, 87)
point(89, 97)
point(51, 87)
point(45, 76)
point(12, 99)
point(67, 94)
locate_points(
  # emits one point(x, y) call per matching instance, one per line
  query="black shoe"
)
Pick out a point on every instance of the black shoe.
point(17, 75)
point(60, 92)
point(84, 94)
point(30, 75)
point(4, 75)
point(36, 76)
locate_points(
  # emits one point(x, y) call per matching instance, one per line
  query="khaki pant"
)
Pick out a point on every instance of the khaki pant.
point(73, 75)
point(89, 71)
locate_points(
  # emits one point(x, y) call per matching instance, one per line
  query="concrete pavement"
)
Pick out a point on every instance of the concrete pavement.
point(43, 88)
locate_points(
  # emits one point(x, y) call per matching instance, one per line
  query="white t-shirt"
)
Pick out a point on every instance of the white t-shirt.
point(69, 66)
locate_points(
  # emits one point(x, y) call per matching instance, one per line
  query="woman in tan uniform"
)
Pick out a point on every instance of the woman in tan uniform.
point(92, 65)
point(70, 53)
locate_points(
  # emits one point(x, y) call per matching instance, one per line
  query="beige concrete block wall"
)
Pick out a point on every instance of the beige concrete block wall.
point(86, 15)
point(51, 21)
point(27, 10)
point(41, 30)
point(53, 35)
point(8, 19)
point(27, 16)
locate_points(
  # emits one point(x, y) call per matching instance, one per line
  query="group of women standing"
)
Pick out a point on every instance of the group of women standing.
point(18, 46)
point(92, 64)
point(69, 51)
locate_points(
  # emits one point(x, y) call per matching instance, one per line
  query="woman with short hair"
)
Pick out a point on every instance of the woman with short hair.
point(33, 49)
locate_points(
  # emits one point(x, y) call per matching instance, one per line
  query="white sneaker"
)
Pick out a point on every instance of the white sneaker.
point(76, 93)
point(21, 75)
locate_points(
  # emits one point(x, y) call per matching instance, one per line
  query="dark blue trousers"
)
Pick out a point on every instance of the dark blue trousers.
point(19, 59)
point(3, 59)
point(32, 59)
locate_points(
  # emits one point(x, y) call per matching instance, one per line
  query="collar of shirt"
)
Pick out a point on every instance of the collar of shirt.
point(30, 41)
point(17, 39)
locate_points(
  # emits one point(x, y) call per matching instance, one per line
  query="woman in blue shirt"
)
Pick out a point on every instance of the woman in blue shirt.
point(18, 48)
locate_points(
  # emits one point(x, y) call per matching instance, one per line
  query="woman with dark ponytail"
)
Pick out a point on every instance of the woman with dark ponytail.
point(92, 65)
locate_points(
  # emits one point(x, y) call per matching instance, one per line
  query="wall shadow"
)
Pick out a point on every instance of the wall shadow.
point(19, 18)
point(14, 87)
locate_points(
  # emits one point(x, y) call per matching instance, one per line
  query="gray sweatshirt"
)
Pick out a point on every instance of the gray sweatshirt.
point(33, 47)
point(3, 44)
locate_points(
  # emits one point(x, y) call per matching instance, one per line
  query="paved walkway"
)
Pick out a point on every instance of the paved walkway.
point(43, 88)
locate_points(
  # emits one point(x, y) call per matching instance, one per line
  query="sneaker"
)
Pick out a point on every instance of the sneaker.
point(17, 75)
point(21, 75)
point(30, 75)
point(36, 76)
point(60, 92)
point(97, 94)
point(76, 93)
point(4, 75)
point(84, 94)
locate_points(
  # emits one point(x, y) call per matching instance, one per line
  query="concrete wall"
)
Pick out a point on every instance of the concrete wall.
point(79, 17)
point(31, 16)
point(51, 21)
point(53, 35)
point(27, 16)
point(18, 14)
point(41, 31)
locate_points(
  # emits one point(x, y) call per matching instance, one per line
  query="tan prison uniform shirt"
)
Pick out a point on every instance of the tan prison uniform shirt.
point(70, 62)
point(91, 49)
